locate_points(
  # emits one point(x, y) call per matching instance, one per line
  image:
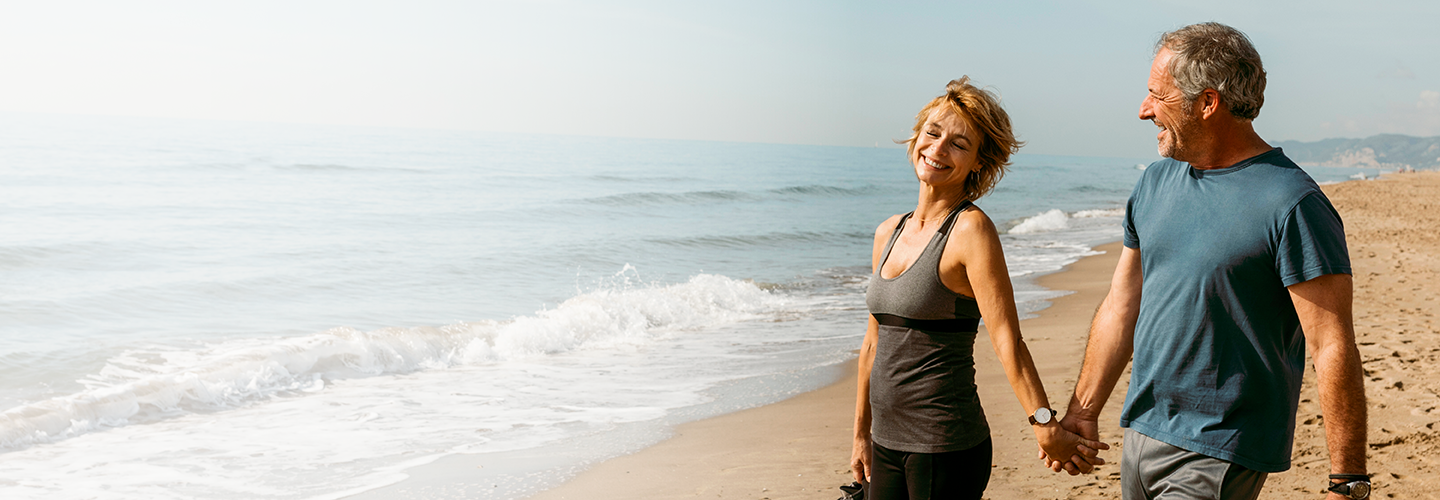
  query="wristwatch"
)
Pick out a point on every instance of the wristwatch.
point(1042, 416)
point(1355, 487)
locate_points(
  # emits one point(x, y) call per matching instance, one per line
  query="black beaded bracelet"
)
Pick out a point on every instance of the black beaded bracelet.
point(1351, 477)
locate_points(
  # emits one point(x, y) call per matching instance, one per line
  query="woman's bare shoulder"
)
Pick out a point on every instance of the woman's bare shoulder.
point(974, 221)
point(885, 229)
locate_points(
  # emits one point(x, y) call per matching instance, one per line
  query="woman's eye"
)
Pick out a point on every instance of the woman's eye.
point(932, 134)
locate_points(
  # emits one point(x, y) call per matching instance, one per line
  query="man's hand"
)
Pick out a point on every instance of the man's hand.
point(1087, 456)
point(860, 459)
point(1081, 453)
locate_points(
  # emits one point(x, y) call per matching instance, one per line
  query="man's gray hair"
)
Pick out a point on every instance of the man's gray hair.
point(1216, 56)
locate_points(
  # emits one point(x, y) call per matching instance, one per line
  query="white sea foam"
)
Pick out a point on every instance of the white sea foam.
point(1057, 220)
point(1049, 241)
point(1104, 212)
point(148, 385)
point(1050, 220)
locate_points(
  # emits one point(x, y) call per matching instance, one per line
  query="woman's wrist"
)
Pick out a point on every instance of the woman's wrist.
point(1048, 431)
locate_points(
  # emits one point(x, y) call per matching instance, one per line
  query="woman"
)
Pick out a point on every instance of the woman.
point(919, 429)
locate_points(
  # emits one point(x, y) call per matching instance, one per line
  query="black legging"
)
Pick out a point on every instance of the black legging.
point(899, 475)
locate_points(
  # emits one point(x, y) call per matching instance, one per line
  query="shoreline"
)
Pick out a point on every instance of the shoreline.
point(800, 447)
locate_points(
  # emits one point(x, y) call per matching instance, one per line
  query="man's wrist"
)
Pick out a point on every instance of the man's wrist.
point(1077, 410)
point(1352, 486)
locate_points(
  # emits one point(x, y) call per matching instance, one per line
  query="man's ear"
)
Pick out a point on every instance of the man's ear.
point(1209, 103)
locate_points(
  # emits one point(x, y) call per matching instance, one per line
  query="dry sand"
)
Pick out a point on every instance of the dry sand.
point(800, 448)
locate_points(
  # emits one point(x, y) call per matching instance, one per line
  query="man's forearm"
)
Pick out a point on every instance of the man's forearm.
point(1112, 339)
point(1323, 305)
point(1341, 385)
point(1106, 353)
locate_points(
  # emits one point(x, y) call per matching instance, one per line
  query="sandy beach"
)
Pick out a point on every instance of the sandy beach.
point(799, 448)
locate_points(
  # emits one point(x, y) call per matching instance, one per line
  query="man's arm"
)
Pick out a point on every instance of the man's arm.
point(1112, 340)
point(1323, 305)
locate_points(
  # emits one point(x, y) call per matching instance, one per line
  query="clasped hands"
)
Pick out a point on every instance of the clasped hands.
point(1073, 446)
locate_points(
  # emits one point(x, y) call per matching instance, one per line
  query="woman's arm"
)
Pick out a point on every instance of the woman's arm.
point(974, 260)
point(860, 452)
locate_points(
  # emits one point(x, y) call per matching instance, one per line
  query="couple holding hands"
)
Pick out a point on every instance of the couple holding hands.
point(1233, 263)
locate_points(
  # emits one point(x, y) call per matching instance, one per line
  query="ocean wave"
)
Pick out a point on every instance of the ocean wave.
point(318, 168)
point(689, 197)
point(1050, 220)
point(148, 385)
point(335, 167)
point(1089, 188)
point(27, 256)
point(21, 256)
point(657, 198)
point(1057, 220)
point(751, 240)
point(1101, 212)
point(821, 190)
point(626, 179)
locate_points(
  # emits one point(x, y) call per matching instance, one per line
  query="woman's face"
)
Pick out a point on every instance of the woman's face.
point(945, 149)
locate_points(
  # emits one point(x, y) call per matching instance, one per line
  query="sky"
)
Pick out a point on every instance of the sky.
point(1071, 73)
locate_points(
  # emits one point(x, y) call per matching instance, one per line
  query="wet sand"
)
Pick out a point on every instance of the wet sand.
point(800, 448)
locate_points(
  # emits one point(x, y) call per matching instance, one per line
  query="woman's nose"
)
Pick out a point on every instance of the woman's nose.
point(935, 149)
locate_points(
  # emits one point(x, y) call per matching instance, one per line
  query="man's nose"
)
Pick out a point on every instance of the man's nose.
point(1146, 112)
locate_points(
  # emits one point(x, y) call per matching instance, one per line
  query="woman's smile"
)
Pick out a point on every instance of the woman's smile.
point(932, 163)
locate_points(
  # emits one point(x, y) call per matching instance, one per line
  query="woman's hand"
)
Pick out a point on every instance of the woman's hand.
point(860, 459)
point(1062, 449)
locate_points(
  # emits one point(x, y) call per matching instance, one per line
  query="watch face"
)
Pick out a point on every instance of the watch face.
point(1043, 415)
point(1359, 490)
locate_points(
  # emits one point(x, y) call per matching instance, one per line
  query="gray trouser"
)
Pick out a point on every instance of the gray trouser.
point(1153, 470)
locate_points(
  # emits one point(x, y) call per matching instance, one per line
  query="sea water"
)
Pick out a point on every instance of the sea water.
point(195, 309)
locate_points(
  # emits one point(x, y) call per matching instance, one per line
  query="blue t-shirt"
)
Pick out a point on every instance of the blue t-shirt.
point(1218, 349)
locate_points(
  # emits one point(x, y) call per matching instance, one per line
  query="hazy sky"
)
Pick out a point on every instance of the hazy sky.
point(838, 73)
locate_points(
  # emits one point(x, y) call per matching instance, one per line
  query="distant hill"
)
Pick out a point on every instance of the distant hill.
point(1389, 151)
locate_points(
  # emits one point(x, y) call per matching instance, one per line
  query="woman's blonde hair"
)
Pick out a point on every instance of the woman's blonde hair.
point(981, 108)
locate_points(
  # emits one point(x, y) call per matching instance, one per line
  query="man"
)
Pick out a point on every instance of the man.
point(1232, 257)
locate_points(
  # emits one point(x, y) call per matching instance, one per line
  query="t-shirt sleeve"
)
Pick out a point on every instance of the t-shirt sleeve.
point(1132, 239)
point(1312, 242)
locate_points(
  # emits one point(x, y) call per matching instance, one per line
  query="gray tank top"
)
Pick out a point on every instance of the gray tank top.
point(923, 397)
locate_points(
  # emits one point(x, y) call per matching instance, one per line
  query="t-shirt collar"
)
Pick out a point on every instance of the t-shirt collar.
point(1238, 166)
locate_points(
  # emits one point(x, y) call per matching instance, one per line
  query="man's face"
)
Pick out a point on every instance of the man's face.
point(1165, 105)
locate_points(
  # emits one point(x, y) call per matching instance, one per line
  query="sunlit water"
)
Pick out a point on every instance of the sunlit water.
point(228, 310)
